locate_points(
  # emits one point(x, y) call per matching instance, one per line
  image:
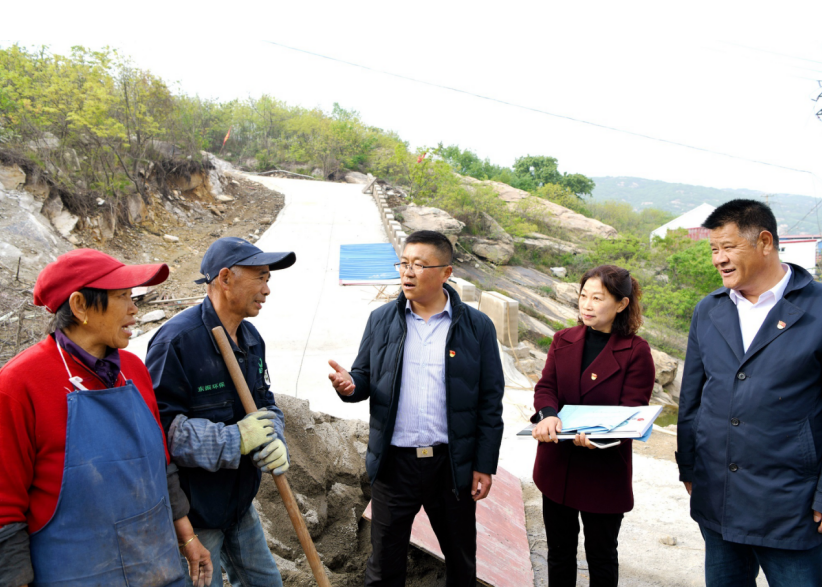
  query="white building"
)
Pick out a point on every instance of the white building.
point(691, 221)
point(800, 250)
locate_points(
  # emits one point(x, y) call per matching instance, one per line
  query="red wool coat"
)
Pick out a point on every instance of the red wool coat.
point(599, 480)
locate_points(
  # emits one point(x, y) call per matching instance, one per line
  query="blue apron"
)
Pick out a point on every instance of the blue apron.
point(112, 526)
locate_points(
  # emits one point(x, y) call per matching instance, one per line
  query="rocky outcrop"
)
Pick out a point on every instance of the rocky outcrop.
point(578, 226)
point(497, 246)
point(12, 177)
point(567, 293)
point(414, 218)
point(26, 235)
point(666, 367)
point(540, 242)
point(357, 177)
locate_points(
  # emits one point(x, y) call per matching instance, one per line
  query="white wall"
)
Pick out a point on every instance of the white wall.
point(801, 253)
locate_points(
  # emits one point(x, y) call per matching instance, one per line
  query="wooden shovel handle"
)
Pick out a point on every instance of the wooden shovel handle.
point(282, 483)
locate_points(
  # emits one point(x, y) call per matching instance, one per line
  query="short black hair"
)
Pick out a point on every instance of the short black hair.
point(65, 318)
point(436, 239)
point(751, 216)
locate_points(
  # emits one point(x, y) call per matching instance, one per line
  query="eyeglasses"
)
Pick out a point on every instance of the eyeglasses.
point(417, 267)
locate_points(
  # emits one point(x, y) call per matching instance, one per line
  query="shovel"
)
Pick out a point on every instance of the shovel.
point(282, 483)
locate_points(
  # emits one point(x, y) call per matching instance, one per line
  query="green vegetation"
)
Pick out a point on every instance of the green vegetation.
point(544, 343)
point(106, 121)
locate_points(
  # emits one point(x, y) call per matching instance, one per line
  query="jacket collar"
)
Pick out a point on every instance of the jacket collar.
point(725, 317)
point(799, 279)
point(569, 355)
point(247, 336)
point(453, 298)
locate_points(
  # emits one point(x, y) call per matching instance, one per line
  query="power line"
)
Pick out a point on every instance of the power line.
point(537, 110)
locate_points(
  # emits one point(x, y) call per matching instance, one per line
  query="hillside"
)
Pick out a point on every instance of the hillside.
point(678, 198)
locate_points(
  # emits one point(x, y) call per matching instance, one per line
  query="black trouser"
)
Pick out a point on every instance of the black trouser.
point(406, 483)
point(562, 530)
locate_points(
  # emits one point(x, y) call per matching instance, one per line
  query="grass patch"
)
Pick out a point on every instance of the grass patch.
point(544, 343)
point(548, 291)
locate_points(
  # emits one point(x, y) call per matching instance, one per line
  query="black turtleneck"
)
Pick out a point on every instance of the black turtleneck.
point(595, 341)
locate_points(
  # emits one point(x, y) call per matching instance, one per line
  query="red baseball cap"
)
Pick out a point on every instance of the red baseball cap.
point(89, 268)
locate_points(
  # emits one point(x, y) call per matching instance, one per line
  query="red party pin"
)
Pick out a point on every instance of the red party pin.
point(452, 354)
point(780, 325)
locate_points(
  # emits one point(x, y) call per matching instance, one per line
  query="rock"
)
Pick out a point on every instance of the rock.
point(356, 177)
point(12, 177)
point(567, 293)
point(578, 226)
point(26, 234)
point(153, 316)
point(62, 220)
point(496, 245)
point(65, 222)
point(533, 325)
point(215, 183)
point(661, 396)
point(540, 242)
point(661, 278)
point(45, 142)
point(135, 333)
point(171, 238)
point(668, 540)
point(495, 251)
point(223, 198)
point(107, 221)
point(666, 367)
point(426, 218)
point(136, 208)
point(560, 272)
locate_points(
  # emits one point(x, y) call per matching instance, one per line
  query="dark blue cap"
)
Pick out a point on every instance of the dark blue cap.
point(230, 251)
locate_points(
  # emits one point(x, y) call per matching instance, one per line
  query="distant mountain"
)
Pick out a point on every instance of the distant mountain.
point(795, 214)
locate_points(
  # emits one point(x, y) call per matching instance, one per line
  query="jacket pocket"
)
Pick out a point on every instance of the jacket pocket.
point(809, 456)
point(216, 411)
point(148, 548)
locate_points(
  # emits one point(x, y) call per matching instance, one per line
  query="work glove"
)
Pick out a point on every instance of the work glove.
point(272, 457)
point(256, 429)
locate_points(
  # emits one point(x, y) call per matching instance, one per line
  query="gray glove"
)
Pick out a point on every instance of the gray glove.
point(272, 457)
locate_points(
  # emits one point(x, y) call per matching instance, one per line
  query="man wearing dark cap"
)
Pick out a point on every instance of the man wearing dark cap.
point(220, 450)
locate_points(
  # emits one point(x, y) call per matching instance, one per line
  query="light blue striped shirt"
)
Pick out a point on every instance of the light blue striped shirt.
point(421, 413)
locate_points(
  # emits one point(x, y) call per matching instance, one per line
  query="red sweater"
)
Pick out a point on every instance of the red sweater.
point(33, 417)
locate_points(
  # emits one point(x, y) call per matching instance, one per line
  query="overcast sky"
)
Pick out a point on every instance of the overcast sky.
point(731, 77)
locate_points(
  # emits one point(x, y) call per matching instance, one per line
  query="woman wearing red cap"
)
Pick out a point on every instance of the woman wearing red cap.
point(87, 496)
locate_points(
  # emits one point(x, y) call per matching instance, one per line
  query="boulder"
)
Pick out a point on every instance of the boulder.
point(356, 177)
point(426, 218)
point(153, 316)
point(578, 226)
point(12, 177)
point(496, 252)
point(560, 272)
point(666, 367)
point(567, 293)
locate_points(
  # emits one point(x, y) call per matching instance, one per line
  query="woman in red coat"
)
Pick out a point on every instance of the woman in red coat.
point(599, 362)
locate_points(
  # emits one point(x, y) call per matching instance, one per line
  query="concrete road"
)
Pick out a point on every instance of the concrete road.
point(309, 318)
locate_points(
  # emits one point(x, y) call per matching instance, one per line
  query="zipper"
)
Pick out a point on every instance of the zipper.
point(448, 399)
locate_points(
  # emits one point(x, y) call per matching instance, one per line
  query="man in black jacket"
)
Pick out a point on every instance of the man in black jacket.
point(430, 367)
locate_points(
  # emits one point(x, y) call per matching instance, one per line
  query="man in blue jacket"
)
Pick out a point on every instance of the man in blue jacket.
point(750, 414)
point(430, 367)
point(219, 449)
